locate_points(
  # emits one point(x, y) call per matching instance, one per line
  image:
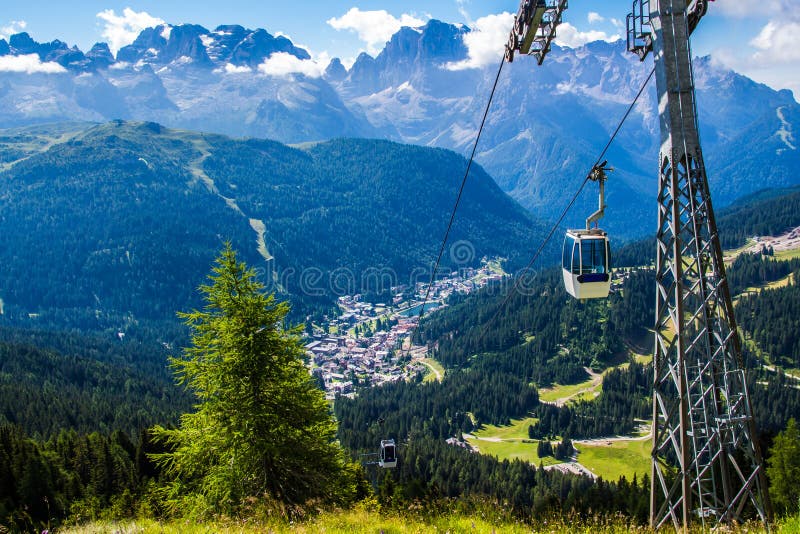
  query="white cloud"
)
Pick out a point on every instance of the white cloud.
point(778, 42)
point(29, 64)
point(375, 28)
point(122, 30)
point(284, 64)
point(570, 36)
point(486, 42)
point(234, 69)
point(15, 26)
point(594, 17)
point(774, 56)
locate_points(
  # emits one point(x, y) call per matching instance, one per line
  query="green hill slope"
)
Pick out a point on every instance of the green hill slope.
point(120, 221)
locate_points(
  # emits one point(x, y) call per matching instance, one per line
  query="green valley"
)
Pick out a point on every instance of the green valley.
point(555, 383)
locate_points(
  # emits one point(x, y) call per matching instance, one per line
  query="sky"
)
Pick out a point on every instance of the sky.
point(763, 44)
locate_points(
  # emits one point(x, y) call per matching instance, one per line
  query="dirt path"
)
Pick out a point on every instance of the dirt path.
point(597, 379)
point(606, 442)
point(199, 175)
point(433, 370)
point(491, 438)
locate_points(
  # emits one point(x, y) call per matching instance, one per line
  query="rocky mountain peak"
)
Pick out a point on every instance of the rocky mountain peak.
point(443, 41)
point(335, 71)
point(435, 41)
point(55, 51)
point(195, 45)
point(149, 42)
point(101, 55)
point(22, 43)
point(185, 42)
point(413, 55)
point(258, 45)
point(165, 44)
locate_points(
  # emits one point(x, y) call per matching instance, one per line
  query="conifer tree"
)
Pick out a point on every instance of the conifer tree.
point(261, 429)
point(784, 469)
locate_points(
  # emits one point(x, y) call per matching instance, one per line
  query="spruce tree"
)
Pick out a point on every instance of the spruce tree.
point(784, 470)
point(261, 429)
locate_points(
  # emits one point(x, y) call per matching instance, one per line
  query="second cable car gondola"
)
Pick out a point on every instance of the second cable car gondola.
point(388, 456)
point(586, 256)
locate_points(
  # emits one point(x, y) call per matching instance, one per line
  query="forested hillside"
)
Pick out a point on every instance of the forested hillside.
point(534, 341)
point(43, 392)
point(771, 318)
point(769, 212)
point(539, 338)
point(117, 223)
point(219, 333)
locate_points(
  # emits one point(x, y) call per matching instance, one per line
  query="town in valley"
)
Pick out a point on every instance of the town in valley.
point(368, 343)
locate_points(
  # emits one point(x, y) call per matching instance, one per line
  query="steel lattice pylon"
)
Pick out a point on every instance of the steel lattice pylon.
point(706, 461)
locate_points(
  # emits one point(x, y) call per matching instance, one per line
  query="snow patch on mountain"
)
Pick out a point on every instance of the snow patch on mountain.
point(462, 135)
point(208, 42)
point(298, 95)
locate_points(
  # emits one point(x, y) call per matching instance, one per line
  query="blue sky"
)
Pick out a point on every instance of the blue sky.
point(763, 44)
point(305, 20)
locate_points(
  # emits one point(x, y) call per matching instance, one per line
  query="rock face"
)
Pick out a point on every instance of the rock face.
point(546, 126)
point(100, 55)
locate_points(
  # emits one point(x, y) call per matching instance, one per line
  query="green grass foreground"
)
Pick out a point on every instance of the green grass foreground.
point(361, 520)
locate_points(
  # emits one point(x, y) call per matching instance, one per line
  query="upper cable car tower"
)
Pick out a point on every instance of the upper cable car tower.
point(706, 462)
point(535, 28)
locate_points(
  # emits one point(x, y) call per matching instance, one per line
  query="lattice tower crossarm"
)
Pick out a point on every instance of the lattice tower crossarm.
point(706, 462)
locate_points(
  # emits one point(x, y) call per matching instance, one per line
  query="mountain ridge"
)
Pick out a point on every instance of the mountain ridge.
point(544, 131)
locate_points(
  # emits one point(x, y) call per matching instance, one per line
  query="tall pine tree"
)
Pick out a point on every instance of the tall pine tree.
point(261, 429)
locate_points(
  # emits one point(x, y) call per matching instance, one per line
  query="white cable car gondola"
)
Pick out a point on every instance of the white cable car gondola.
point(388, 454)
point(586, 264)
point(586, 256)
